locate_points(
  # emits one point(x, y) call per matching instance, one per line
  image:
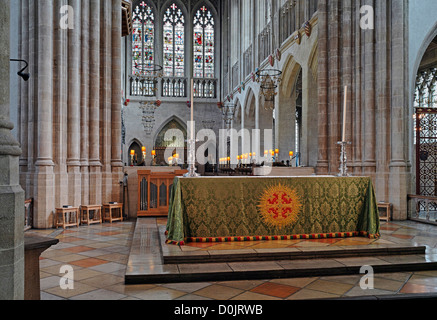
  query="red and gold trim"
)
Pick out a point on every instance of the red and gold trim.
point(279, 238)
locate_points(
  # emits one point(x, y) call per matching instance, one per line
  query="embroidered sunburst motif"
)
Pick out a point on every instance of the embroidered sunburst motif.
point(280, 206)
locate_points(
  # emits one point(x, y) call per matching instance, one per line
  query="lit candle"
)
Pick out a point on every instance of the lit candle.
point(143, 149)
point(192, 109)
point(153, 153)
point(277, 151)
point(344, 114)
point(132, 155)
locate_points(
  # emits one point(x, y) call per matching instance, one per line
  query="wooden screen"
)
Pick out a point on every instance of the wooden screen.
point(154, 191)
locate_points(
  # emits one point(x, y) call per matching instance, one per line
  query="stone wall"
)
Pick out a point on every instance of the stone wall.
point(70, 113)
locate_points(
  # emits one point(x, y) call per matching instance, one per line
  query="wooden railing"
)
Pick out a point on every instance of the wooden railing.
point(154, 192)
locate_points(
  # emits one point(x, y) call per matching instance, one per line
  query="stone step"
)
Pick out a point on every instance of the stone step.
point(149, 261)
point(233, 271)
point(176, 255)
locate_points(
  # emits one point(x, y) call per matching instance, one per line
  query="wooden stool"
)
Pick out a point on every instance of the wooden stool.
point(85, 214)
point(70, 217)
point(108, 212)
point(387, 208)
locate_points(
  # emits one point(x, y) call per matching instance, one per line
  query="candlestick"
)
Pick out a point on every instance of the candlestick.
point(192, 109)
point(344, 114)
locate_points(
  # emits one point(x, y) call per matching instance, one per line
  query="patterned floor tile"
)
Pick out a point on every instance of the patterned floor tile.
point(333, 287)
point(248, 295)
point(88, 262)
point(99, 294)
point(308, 294)
point(98, 255)
point(218, 292)
point(275, 290)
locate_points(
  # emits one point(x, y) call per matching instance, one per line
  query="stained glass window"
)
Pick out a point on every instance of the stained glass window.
point(203, 44)
point(174, 41)
point(143, 35)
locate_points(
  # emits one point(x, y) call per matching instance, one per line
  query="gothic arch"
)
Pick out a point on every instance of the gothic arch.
point(177, 120)
point(290, 74)
point(238, 114)
point(168, 3)
point(432, 34)
point(250, 110)
point(187, 37)
point(207, 4)
point(216, 19)
point(135, 145)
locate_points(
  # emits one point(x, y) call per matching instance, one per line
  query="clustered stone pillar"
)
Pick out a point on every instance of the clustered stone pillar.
point(44, 174)
point(11, 194)
point(363, 60)
point(71, 107)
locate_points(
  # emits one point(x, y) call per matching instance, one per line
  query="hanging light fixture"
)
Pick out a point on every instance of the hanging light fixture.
point(148, 75)
point(269, 80)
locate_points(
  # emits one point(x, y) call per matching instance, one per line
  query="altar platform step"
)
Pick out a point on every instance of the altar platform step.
point(152, 261)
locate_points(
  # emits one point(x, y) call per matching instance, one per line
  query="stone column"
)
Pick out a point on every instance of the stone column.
point(32, 98)
point(322, 79)
point(60, 109)
point(334, 84)
point(399, 174)
point(382, 112)
point(369, 107)
point(24, 92)
point(116, 162)
point(309, 141)
point(286, 123)
point(44, 177)
point(11, 194)
point(356, 154)
point(105, 98)
point(94, 109)
point(84, 102)
point(74, 135)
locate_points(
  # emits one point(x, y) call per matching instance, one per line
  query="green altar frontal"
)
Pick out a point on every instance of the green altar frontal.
point(223, 209)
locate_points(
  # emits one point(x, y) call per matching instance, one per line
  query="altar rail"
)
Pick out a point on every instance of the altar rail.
point(424, 207)
point(154, 192)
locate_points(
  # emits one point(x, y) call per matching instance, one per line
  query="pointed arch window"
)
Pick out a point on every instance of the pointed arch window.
point(203, 43)
point(143, 37)
point(174, 42)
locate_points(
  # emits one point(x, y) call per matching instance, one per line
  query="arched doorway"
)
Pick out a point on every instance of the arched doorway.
point(171, 140)
point(135, 154)
point(425, 123)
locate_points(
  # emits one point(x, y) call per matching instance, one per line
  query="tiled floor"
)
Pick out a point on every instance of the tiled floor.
point(99, 254)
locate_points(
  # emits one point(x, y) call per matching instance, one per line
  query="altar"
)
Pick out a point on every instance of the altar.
point(224, 209)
